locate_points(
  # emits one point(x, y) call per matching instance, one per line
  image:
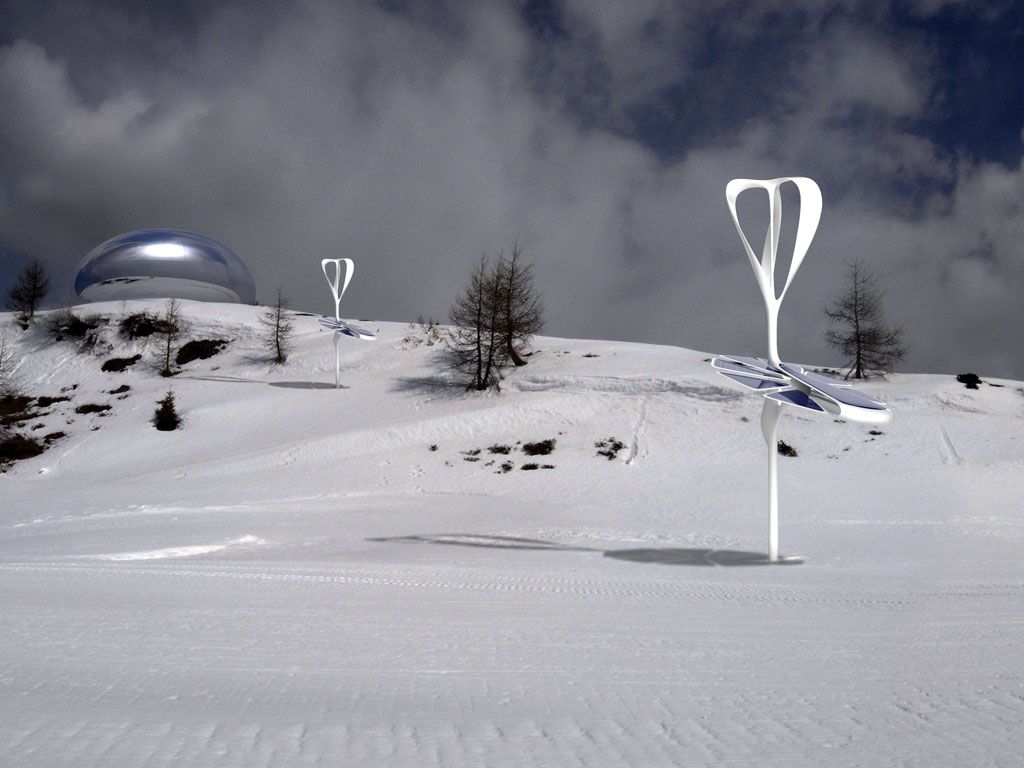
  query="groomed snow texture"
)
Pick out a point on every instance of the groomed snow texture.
point(295, 578)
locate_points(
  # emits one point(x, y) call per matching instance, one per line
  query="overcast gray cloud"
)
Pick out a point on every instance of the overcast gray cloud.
point(411, 137)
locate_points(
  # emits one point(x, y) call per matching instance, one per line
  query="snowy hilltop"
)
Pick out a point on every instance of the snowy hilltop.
point(400, 572)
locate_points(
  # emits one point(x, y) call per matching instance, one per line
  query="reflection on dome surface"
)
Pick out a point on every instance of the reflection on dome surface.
point(164, 263)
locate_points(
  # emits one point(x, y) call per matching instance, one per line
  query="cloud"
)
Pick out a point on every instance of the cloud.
point(411, 139)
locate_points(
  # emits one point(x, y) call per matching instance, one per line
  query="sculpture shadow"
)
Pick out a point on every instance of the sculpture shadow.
point(709, 558)
point(224, 379)
point(700, 557)
point(485, 541)
point(305, 385)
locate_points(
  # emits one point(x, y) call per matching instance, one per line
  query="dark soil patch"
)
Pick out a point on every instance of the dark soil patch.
point(54, 436)
point(123, 388)
point(199, 349)
point(17, 447)
point(14, 405)
point(119, 364)
point(530, 466)
point(46, 402)
point(542, 448)
point(92, 408)
point(609, 448)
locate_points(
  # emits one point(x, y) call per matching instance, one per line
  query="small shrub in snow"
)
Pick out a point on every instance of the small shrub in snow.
point(876, 432)
point(166, 417)
point(609, 448)
point(542, 448)
point(530, 466)
point(969, 380)
point(67, 325)
point(785, 449)
point(505, 466)
point(92, 408)
point(139, 325)
point(503, 450)
point(433, 447)
point(120, 390)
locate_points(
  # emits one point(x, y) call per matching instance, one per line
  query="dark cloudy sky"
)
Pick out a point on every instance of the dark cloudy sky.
point(412, 136)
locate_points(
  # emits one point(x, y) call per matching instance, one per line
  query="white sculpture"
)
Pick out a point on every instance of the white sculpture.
point(785, 383)
point(339, 283)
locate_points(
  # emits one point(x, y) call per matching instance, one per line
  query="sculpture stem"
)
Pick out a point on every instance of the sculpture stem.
point(770, 412)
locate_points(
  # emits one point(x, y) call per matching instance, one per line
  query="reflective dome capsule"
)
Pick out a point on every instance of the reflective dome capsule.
point(164, 263)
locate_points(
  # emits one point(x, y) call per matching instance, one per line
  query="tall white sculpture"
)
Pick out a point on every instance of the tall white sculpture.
point(339, 283)
point(785, 383)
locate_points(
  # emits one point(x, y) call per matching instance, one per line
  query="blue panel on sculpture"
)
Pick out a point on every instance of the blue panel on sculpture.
point(164, 263)
point(752, 362)
point(723, 364)
point(345, 328)
point(755, 383)
point(838, 393)
point(797, 398)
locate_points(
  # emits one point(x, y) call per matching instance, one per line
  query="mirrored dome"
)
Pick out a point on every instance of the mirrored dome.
point(164, 263)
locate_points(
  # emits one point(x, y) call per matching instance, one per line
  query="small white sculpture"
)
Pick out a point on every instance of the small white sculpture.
point(785, 383)
point(339, 283)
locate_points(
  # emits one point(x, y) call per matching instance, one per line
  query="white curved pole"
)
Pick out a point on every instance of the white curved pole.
point(338, 283)
point(770, 412)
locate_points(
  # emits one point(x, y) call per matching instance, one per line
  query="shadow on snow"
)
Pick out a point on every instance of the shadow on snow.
point(665, 556)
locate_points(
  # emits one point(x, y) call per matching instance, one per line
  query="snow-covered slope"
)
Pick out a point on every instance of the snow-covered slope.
point(297, 578)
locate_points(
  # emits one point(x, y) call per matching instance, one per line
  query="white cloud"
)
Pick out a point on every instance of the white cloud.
point(412, 145)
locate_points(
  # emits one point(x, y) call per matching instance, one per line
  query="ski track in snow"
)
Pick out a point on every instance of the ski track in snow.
point(295, 579)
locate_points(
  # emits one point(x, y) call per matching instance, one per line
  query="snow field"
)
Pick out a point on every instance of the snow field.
point(295, 578)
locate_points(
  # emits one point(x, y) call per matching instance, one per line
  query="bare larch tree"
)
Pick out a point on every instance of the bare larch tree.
point(278, 331)
point(494, 319)
point(522, 315)
point(171, 326)
point(857, 328)
point(468, 348)
point(29, 289)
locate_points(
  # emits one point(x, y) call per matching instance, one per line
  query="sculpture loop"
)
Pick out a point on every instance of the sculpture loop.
point(764, 269)
point(338, 283)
